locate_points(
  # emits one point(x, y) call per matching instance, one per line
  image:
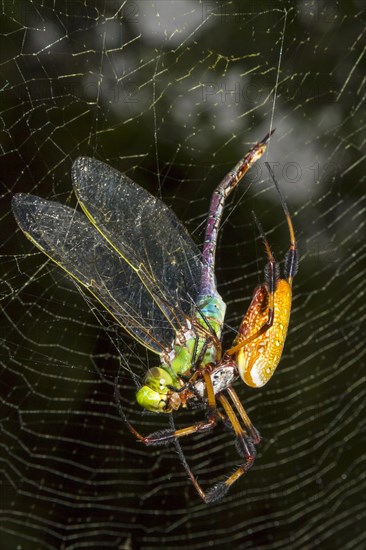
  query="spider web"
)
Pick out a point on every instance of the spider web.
point(173, 94)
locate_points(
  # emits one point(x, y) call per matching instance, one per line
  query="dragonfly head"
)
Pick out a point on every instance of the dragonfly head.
point(155, 393)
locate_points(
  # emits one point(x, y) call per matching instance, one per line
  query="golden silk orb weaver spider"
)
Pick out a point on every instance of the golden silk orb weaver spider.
point(262, 333)
point(133, 255)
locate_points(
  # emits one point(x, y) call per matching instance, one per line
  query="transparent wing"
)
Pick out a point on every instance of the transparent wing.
point(74, 244)
point(145, 232)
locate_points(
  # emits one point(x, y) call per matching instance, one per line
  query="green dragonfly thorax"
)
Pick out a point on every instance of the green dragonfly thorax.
point(198, 340)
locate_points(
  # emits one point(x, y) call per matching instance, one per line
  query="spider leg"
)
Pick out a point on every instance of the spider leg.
point(218, 491)
point(187, 468)
point(253, 432)
point(178, 447)
point(291, 258)
point(245, 446)
point(271, 277)
point(244, 442)
point(163, 437)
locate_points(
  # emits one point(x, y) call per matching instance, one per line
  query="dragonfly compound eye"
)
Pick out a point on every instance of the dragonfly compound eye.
point(154, 394)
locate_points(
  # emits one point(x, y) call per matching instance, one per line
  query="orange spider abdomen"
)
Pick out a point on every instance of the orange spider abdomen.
point(257, 359)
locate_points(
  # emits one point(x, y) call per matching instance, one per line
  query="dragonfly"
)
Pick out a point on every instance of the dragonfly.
point(134, 256)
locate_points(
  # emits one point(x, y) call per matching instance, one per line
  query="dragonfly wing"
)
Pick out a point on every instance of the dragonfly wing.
point(145, 232)
point(67, 237)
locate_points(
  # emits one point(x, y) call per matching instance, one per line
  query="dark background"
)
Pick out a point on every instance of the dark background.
point(173, 94)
